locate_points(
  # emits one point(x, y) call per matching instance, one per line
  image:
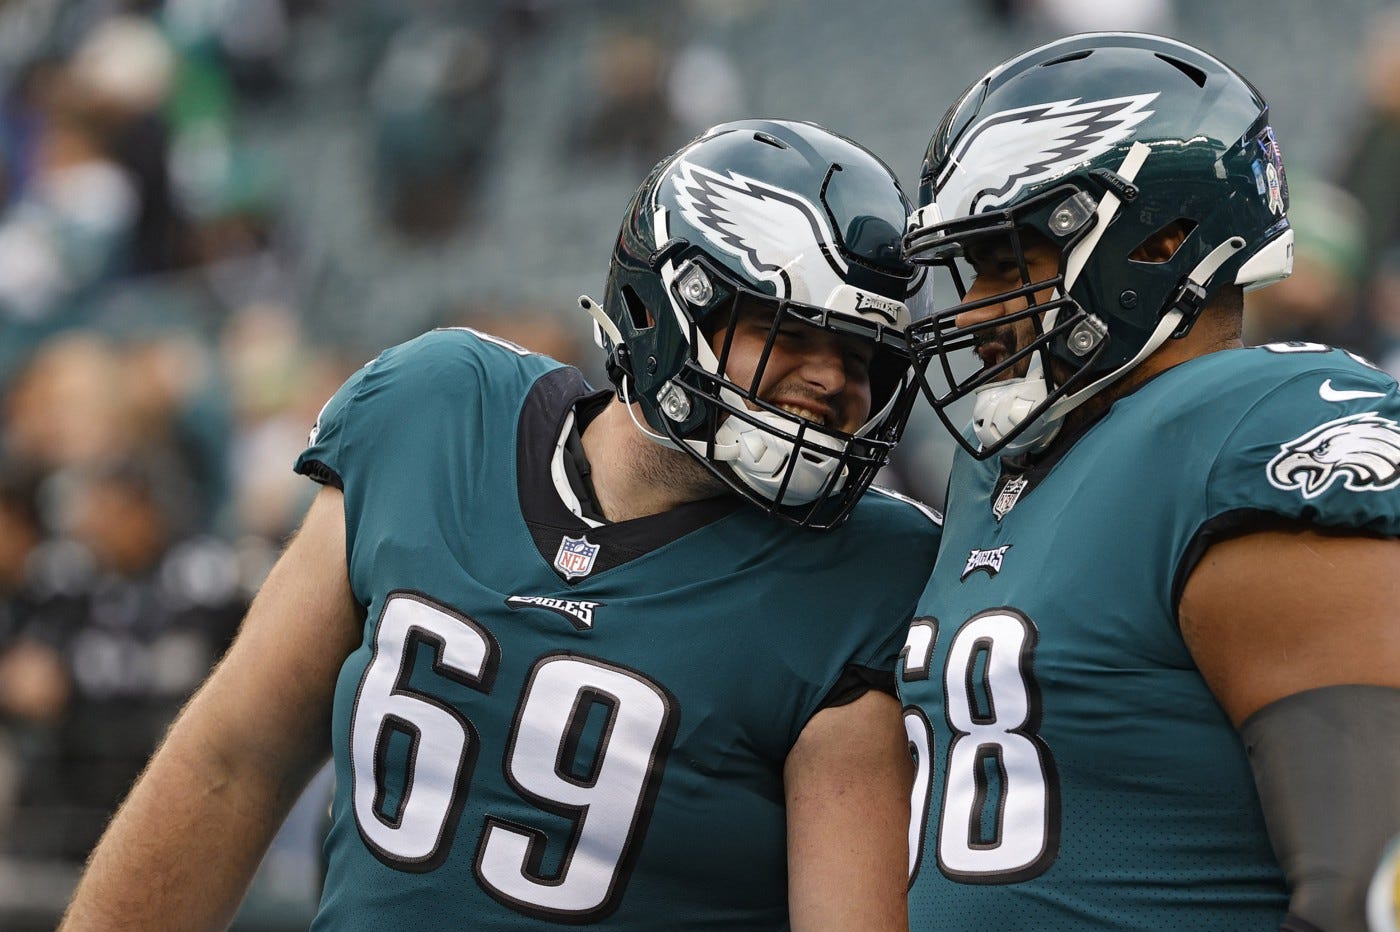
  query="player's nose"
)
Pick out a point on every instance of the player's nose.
point(979, 292)
point(824, 365)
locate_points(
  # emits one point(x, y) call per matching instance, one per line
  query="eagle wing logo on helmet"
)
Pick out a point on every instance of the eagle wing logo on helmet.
point(1010, 150)
point(1363, 450)
point(772, 231)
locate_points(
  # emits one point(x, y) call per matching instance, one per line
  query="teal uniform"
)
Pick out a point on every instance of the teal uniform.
point(550, 722)
point(1073, 768)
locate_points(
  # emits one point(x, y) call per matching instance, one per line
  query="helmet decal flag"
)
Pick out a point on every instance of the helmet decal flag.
point(1363, 450)
point(774, 232)
point(1008, 151)
point(1269, 172)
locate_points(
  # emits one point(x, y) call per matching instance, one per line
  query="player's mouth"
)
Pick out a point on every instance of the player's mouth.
point(994, 348)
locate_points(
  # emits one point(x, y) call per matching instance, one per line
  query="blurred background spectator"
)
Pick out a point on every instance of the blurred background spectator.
point(1368, 171)
point(213, 211)
point(1318, 302)
point(135, 613)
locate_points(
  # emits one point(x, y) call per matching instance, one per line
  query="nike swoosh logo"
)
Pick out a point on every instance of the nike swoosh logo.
point(1328, 393)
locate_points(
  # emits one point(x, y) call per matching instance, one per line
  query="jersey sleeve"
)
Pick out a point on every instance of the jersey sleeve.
point(910, 548)
point(392, 409)
point(909, 534)
point(1322, 449)
point(321, 460)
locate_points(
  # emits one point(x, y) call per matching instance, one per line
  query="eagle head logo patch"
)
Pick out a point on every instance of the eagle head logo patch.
point(1362, 450)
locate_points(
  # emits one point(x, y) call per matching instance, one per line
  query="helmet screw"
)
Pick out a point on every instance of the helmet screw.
point(1071, 214)
point(651, 365)
point(1128, 299)
point(1086, 335)
point(674, 403)
point(696, 287)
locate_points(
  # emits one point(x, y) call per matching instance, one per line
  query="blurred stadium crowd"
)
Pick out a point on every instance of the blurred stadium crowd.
point(212, 211)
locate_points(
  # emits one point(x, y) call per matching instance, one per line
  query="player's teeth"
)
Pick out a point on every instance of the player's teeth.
point(804, 414)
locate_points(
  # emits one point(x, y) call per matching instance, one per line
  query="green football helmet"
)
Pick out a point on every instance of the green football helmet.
point(1096, 143)
point(784, 218)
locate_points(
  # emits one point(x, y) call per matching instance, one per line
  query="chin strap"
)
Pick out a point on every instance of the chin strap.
point(618, 365)
point(608, 338)
point(1190, 297)
point(602, 323)
point(1108, 206)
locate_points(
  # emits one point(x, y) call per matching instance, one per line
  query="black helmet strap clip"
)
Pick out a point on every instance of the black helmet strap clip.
point(1191, 296)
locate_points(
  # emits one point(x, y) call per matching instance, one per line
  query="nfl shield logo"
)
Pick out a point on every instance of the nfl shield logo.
point(1010, 494)
point(575, 557)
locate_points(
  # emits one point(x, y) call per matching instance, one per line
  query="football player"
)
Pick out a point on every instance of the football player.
point(1154, 681)
point(567, 673)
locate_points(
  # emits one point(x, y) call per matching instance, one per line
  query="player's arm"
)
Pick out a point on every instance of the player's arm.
point(847, 782)
point(1298, 635)
point(184, 846)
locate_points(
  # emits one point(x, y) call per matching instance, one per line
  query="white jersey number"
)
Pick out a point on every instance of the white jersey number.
point(418, 832)
point(1000, 817)
point(609, 800)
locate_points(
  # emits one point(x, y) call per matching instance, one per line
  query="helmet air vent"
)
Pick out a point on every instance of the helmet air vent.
point(1191, 71)
point(770, 139)
point(1073, 56)
point(636, 309)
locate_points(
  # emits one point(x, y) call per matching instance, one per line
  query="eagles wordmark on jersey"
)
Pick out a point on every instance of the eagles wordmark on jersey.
point(1073, 766)
point(550, 721)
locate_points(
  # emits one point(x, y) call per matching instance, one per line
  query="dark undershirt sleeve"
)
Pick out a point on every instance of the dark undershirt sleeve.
point(855, 682)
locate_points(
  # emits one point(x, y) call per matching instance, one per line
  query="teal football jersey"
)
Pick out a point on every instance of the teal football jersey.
point(552, 722)
point(1074, 769)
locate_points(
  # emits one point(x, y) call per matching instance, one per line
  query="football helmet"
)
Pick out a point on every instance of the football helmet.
point(784, 218)
point(1097, 143)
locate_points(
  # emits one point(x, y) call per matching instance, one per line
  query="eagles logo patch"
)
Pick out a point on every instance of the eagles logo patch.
point(1362, 450)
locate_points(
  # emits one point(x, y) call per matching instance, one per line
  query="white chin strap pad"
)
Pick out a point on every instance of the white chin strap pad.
point(1001, 406)
point(760, 458)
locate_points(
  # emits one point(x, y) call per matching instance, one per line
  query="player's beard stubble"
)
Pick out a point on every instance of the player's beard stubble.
point(664, 467)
